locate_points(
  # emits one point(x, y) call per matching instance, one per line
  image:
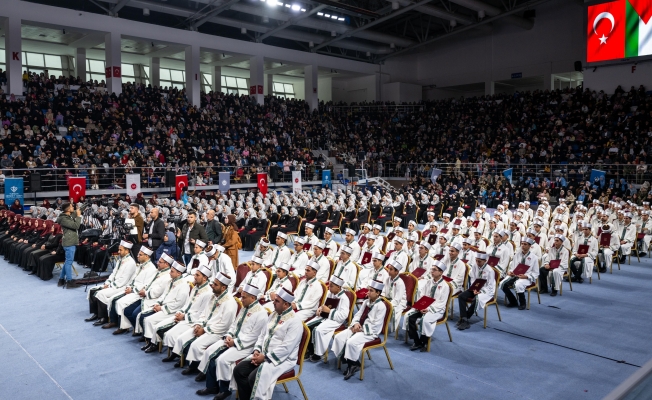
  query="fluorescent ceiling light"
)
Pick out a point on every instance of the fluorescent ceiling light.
point(340, 19)
point(296, 7)
point(303, 10)
point(334, 17)
point(327, 15)
point(321, 14)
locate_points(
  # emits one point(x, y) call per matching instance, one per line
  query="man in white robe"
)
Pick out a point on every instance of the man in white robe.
point(256, 276)
point(281, 254)
point(367, 325)
point(627, 235)
point(330, 316)
point(299, 259)
point(282, 281)
point(581, 263)
point(308, 293)
point(275, 352)
point(557, 253)
point(324, 264)
point(480, 270)
point(521, 281)
point(220, 262)
point(606, 253)
point(345, 268)
point(394, 291)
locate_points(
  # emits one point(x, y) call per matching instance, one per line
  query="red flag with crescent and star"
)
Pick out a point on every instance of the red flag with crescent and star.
point(76, 188)
point(605, 31)
point(181, 182)
point(262, 183)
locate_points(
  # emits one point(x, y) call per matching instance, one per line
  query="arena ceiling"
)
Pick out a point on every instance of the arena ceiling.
point(363, 30)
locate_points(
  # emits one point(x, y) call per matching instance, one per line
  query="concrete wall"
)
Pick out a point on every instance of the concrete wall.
point(324, 89)
point(355, 89)
point(400, 92)
point(607, 78)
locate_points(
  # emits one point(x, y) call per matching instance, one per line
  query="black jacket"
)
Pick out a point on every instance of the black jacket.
point(214, 231)
point(158, 233)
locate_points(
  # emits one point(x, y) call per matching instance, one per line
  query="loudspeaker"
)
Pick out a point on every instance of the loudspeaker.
point(530, 14)
point(170, 178)
point(35, 182)
point(578, 66)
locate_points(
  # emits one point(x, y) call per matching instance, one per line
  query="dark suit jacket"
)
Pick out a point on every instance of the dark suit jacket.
point(158, 233)
point(197, 232)
point(214, 231)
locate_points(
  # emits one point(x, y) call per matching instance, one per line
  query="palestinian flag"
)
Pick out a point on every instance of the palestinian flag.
point(619, 29)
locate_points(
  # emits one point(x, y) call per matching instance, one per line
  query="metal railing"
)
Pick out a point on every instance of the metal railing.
point(373, 108)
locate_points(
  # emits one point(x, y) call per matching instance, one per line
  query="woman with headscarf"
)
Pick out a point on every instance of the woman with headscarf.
point(54, 237)
point(361, 218)
point(251, 222)
point(253, 236)
point(232, 241)
point(240, 217)
point(17, 208)
point(45, 263)
point(37, 245)
point(15, 251)
point(25, 225)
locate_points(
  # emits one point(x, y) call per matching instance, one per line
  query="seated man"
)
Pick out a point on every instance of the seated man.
point(606, 253)
point(351, 243)
point(556, 252)
point(399, 254)
point(366, 325)
point(172, 299)
point(480, 297)
point(522, 281)
point(281, 254)
point(331, 245)
point(499, 249)
point(345, 268)
point(275, 352)
point(337, 307)
point(281, 281)
point(299, 259)
point(581, 263)
point(627, 237)
point(395, 292)
point(646, 230)
point(256, 276)
point(145, 271)
point(310, 237)
point(219, 359)
point(127, 308)
point(218, 262)
point(421, 324)
point(217, 316)
point(324, 264)
point(308, 293)
point(376, 273)
point(455, 268)
point(122, 273)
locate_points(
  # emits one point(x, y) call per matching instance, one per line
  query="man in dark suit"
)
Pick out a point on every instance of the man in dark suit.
point(213, 228)
point(137, 231)
point(187, 235)
point(156, 231)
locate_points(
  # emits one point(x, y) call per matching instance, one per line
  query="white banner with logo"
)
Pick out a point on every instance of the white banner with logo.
point(133, 185)
point(296, 181)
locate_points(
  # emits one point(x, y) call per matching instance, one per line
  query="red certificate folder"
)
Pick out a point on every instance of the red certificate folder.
point(423, 303)
point(493, 261)
point(444, 231)
point(476, 223)
point(447, 279)
point(641, 236)
point(478, 284)
point(432, 239)
point(521, 269)
point(457, 221)
point(583, 249)
point(554, 264)
point(537, 239)
point(326, 251)
point(362, 293)
point(391, 236)
point(307, 246)
point(330, 303)
point(418, 272)
point(362, 240)
point(438, 257)
point(389, 253)
point(605, 239)
point(366, 257)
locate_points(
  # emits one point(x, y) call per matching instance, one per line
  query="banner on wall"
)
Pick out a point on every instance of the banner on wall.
point(296, 181)
point(225, 181)
point(262, 183)
point(133, 185)
point(181, 182)
point(326, 180)
point(76, 187)
point(14, 189)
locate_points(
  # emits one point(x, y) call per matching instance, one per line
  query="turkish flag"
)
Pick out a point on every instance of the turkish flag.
point(181, 182)
point(76, 188)
point(605, 31)
point(262, 183)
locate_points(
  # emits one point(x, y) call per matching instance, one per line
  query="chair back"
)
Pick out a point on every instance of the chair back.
point(331, 262)
point(269, 225)
point(268, 274)
point(411, 282)
point(352, 299)
point(324, 292)
point(293, 280)
point(237, 300)
point(465, 284)
point(497, 276)
point(303, 347)
point(444, 318)
point(388, 317)
point(385, 241)
point(240, 274)
point(357, 273)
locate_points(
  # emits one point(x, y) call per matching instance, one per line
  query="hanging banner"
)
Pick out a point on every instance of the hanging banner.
point(434, 175)
point(14, 189)
point(181, 182)
point(296, 181)
point(326, 181)
point(133, 185)
point(76, 188)
point(262, 183)
point(508, 174)
point(225, 181)
point(598, 178)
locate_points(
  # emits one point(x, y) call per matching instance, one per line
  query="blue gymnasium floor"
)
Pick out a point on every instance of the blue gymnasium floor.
point(566, 347)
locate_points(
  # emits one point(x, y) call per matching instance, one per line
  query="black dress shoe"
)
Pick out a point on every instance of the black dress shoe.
point(152, 348)
point(603, 270)
point(415, 347)
point(424, 349)
point(137, 334)
point(110, 325)
point(92, 318)
point(120, 331)
point(61, 282)
point(147, 344)
point(189, 371)
point(642, 254)
point(464, 325)
point(580, 280)
point(553, 293)
point(206, 392)
point(348, 368)
point(521, 307)
point(544, 291)
point(315, 358)
point(201, 377)
point(142, 338)
point(222, 395)
point(352, 372)
point(170, 358)
point(511, 305)
point(100, 322)
point(177, 364)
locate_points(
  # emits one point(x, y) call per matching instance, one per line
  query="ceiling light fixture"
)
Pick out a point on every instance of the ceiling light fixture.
point(296, 7)
point(321, 14)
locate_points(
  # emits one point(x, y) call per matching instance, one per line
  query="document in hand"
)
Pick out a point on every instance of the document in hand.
point(423, 303)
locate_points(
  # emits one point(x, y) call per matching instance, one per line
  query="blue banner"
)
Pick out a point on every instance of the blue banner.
point(598, 178)
point(326, 180)
point(508, 174)
point(225, 181)
point(436, 173)
point(14, 190)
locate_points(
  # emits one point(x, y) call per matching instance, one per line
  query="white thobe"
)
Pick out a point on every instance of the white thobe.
point(349, 344)
point(216, 319)
point(456, 271)
point(560, 254)
point(298, 262)
point(192, 310)
point(394, 291)
point(308, 295)
point(121, 275)
point(279, 255)
point(439, 291)
point(347, 271)
point(257, 279)
point(154, 289)
point(224, 265)
point(278, 283)
point(489, 289)
point(402, 258)
point(171, 301)
point(324, 271)
point(532, 273)
point(589, 261)
point(338, 316)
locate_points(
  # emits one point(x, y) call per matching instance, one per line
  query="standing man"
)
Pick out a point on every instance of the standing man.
point(213, 228)
point(139, 225)
point(187, 235)
point(70, 240)
point(156, 233)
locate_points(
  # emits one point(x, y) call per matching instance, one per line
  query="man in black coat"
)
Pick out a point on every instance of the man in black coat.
point(187, 235)
point(213, 228)
point(156, 233)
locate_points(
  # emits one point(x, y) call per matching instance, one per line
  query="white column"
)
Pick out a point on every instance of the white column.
point(155, 71)
point(14, 56)
point(257, 78)
point(489, 88)
point(217, 79)
point(80, 63)
point(311, 78)
point(113, 61)
point(269, 85)
point(193, 77)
